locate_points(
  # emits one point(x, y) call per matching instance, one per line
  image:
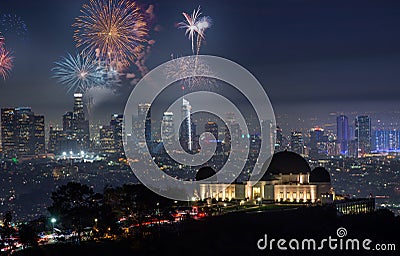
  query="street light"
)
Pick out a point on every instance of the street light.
point(53, 221)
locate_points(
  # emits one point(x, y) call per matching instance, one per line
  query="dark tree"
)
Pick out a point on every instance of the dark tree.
point(7, 218)
point(135, 201)
point(28, 235)
point(75, 205)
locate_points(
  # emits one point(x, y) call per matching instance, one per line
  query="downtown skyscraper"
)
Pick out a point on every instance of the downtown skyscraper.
point(363, 135)
point(74, 136)
point(343, 134)
point(317, 145)
point(297, 142)
point(185, 133)
point(168, 128)
point(111, 136)
point(23, 132)
point(144, 113)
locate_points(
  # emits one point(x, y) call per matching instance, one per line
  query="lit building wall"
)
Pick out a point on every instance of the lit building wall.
point(363, 135)
point(107, 141)
point(295, 193)
point(8, 132)
point(343, 134)
point(297, 143)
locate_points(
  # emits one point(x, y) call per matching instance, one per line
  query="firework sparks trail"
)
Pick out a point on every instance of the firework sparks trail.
point(203, 24)
point(190, 25)
point(189, 68)
point(1, 40)
point(6, 62)
point(195, 27)
point(114, 28)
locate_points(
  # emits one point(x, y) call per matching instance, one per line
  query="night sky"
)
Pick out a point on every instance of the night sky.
point(311, 56)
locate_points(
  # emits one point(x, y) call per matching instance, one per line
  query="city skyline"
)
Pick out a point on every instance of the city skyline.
point(355, 137)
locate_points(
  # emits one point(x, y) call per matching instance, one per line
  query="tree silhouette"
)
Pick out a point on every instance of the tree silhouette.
point(28, 235)
point(75, 206)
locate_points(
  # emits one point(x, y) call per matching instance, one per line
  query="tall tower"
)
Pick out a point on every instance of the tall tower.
point(78, 111)
point(80, 124)
point(343, 134)
point(107, 141)
point(39, 134)
point(185, 136)
point(267, 136)
point(25, 130)
point(316, 142)
point(168, 127)
point(297, 142)
point(144, 112)
point(9, 141)
point(54, 145)
point(363, 135)
point(76, 136)
point(68, 119)
point(279, 139)
point(116, 124)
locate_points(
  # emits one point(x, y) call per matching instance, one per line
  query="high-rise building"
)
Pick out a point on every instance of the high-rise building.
point(279, 143)
point(185, 132)
point(107, 140)
point(80, 124)
point(168, 128)
point(68, 121)
point(8, 132)
point(40, 136)
point(116, 123)
point(212, 128)
point(363, 135)
point(317, 145)
point(144, 113)
point(297, 142)
point(75, 135)
point(267, 136)
point(23, 132)
point(343, 134)
point(55, 135)
point(387, 141)
point(232, 135)
point(78, 110)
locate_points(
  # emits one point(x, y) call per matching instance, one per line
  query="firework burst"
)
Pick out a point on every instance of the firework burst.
point(13, 27)
point(195, 27)
point(6, 62)
point(78, 73)
point(115, 28)
point(1, 40)
point(189, 67)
